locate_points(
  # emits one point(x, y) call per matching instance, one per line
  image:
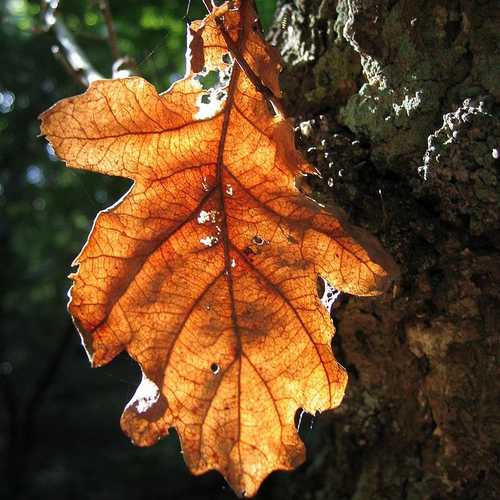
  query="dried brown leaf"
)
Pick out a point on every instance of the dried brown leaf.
point(205, 271)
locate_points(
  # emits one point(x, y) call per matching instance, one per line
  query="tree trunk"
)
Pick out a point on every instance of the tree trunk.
point(398, 104)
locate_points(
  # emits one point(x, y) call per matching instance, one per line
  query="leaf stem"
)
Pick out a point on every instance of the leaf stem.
point(275, 101)
point(263, 89)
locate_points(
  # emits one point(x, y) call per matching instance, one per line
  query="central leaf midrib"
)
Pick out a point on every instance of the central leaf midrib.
point(225, 233)
point(221, 190)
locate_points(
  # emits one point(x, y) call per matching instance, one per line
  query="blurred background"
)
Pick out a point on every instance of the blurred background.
point(398, 105)
point(59, 420)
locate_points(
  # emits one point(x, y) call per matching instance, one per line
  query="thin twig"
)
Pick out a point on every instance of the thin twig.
point(208, 6)
point(108, 19)
point(23, 423)
point(45, 380)
point(186, 16)
point(77, 76)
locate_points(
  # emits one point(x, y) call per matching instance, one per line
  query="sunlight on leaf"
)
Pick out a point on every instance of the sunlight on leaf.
point(206, 270)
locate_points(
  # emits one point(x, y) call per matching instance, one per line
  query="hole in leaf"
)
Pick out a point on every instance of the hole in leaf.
point(214, 84)
point(215, 368)
point(327, 293)
point(257, 240)
point(209, 80)
point(226, 58)
point(209, 241)
point(203, 217)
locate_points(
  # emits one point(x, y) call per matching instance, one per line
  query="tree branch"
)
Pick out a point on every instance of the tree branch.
point(47, 377)
point(75, 61)
point(21, 437)
point(108, 19)
point(72, 57)
point(76, 75)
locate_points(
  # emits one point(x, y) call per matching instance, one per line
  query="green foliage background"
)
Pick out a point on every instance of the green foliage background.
point(59, 420)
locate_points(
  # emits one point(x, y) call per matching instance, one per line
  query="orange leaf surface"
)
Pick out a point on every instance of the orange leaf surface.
point(205, 271)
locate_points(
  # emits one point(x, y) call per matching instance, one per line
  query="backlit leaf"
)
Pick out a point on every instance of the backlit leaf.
point(206, 270)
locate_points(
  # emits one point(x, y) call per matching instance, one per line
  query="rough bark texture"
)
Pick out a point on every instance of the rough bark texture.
point(399, 105)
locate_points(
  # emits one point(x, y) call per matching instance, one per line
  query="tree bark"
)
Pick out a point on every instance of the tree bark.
point(398, 104)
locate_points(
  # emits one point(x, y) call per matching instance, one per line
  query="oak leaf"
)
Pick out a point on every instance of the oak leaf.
point(206, 270)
